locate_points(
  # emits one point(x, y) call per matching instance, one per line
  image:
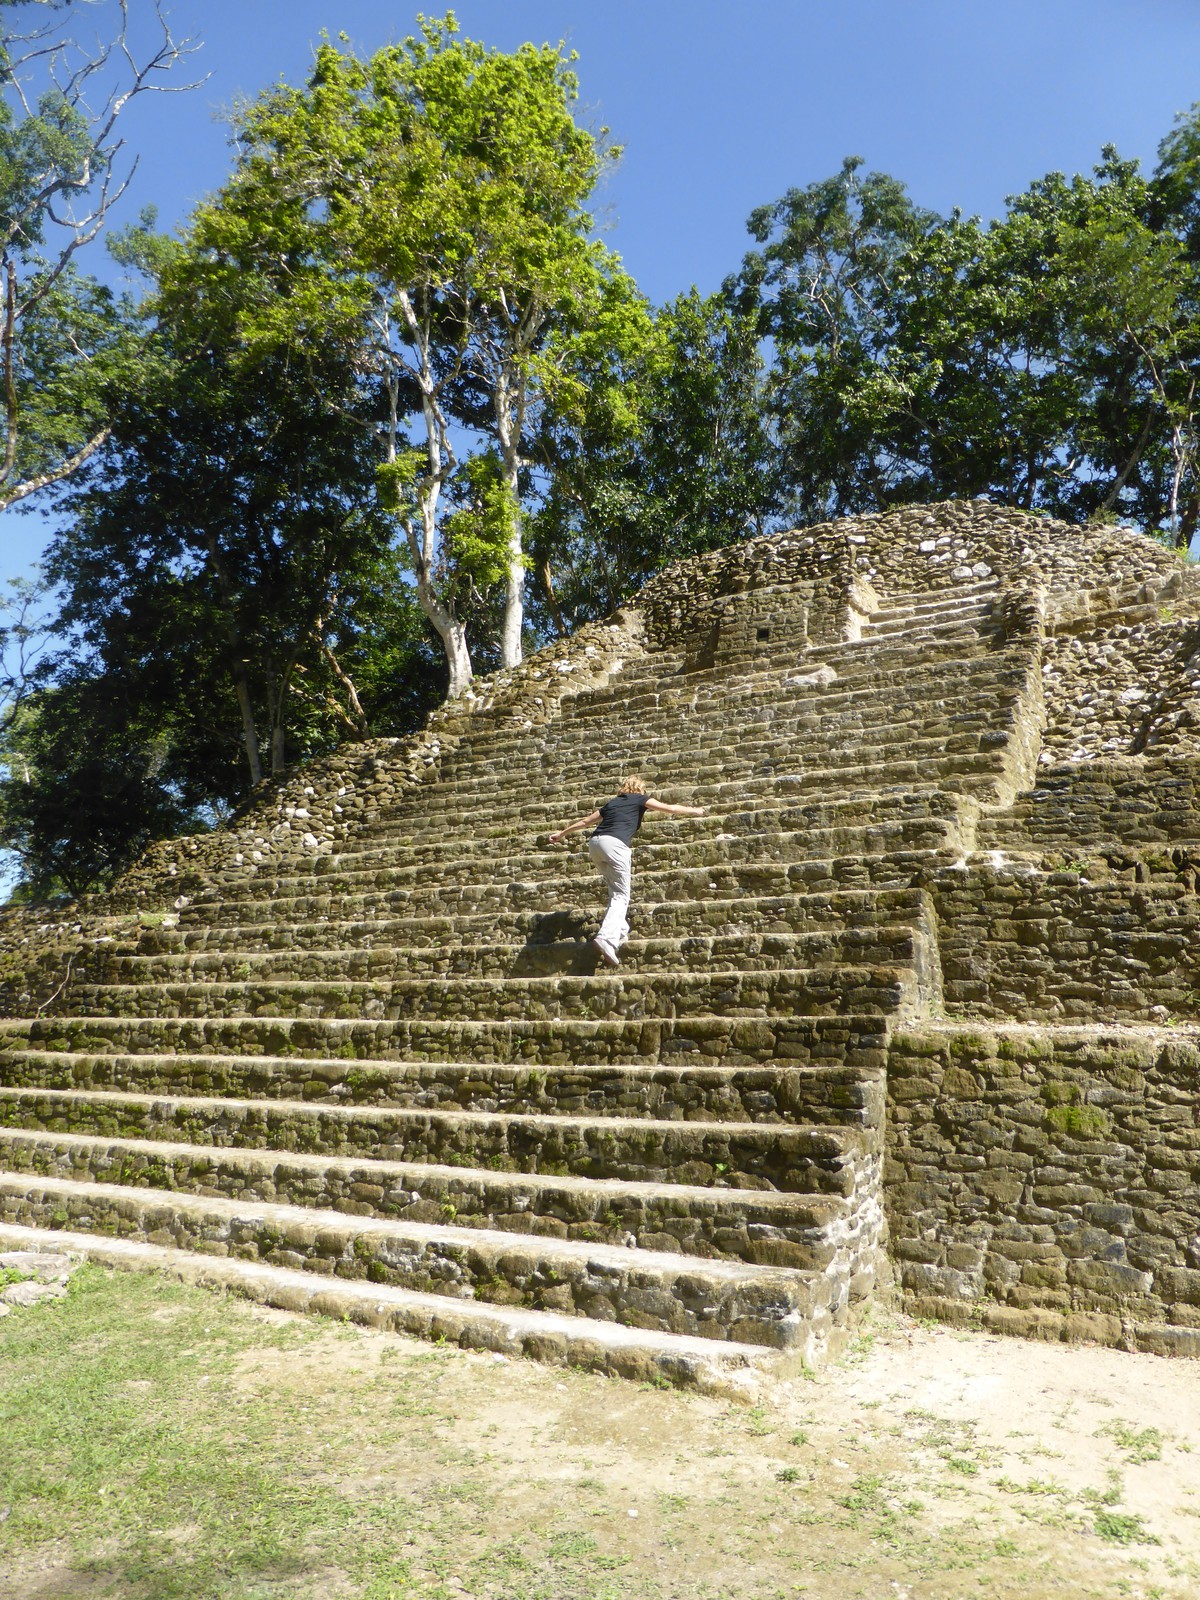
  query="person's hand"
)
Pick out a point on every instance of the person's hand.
point(556, 838)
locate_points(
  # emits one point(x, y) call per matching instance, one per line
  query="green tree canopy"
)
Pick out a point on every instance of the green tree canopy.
point(1048, 359)
point(686, 465)
point(423, 212)
point(231, 601)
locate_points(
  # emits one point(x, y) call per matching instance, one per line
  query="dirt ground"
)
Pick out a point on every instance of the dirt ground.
point(927, 1464)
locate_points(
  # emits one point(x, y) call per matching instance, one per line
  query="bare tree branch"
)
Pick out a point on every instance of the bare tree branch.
point(56, 474)
point(24, 639)
point(62, 180)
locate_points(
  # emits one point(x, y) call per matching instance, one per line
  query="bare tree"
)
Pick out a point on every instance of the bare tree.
point(64, 167)
point(24, 636)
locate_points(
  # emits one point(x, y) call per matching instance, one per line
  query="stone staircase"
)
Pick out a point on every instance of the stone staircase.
point(359, 1057)
point(397, 1070)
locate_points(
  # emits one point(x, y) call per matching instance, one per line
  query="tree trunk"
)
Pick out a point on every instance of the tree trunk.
point(422, 544)
point(275, 704)
point(547, 577)
point(1122, 477)
point(453, 635)
point(508, 430)
point(514, 598)
point(356, 717)
point(249, 731)
point(450, 629)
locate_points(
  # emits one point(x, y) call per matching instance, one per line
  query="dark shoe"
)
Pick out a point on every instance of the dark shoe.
point(607, 953)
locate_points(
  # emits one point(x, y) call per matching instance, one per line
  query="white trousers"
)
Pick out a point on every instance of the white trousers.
point(614, 862)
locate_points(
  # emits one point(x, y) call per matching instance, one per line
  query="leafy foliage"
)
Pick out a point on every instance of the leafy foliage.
point(423, 214)
point(1049, 359)
point(88, 786)
point(232, 599)
point(685, 464)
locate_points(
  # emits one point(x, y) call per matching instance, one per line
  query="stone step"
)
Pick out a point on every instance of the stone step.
point(788, 781)
point(795, 773)
point(793, 710)
point(859, 683)
point(1033, 832)
point(789, 776)
point(946, 605)
point(843, 1086)
point(940, 617)
point(686, 756)
point(758, 1225)
point(725, 1368)
point(851, 661)
point(747, 659)
point(882, 944)
point(750, 916)
point(750, 661)
point(841, 819)
point(754, 658)
point(944, 621)
point(698, 1041)
point(911, 628)
point(948, 622)
point(601, 995)
point(826, 1159)
point(792, 704)
point(1130, 806)
point(749, 671)
point(940, 623)
point(557, 782)
point(974, 599)
point(685, 901)
point(664, 844)
point(673, 1293)
point(602, 764)
point(696, 757)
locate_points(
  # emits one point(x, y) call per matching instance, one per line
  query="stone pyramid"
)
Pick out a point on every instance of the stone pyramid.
point(913, 1010)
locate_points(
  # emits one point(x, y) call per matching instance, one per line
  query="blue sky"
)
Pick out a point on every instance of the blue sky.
point(722, 105)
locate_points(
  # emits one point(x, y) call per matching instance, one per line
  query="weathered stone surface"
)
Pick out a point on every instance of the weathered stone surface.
point(1071, 1219)
point(28, 1277)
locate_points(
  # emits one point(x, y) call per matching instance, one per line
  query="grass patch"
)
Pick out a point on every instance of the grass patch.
point(1121, 1527)
point(101, 1440)
point(133, 1436)
point(1137, 1445)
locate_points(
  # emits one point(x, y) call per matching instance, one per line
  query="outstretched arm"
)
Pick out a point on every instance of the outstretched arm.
point(675, 811)
point(590, 821)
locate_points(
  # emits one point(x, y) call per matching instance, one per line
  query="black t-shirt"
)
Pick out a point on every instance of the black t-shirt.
point(621, 816)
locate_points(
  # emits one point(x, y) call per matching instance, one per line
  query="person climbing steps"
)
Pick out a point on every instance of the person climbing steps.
point(611, 849)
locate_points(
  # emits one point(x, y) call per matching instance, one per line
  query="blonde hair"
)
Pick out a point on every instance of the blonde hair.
point(633, 785)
